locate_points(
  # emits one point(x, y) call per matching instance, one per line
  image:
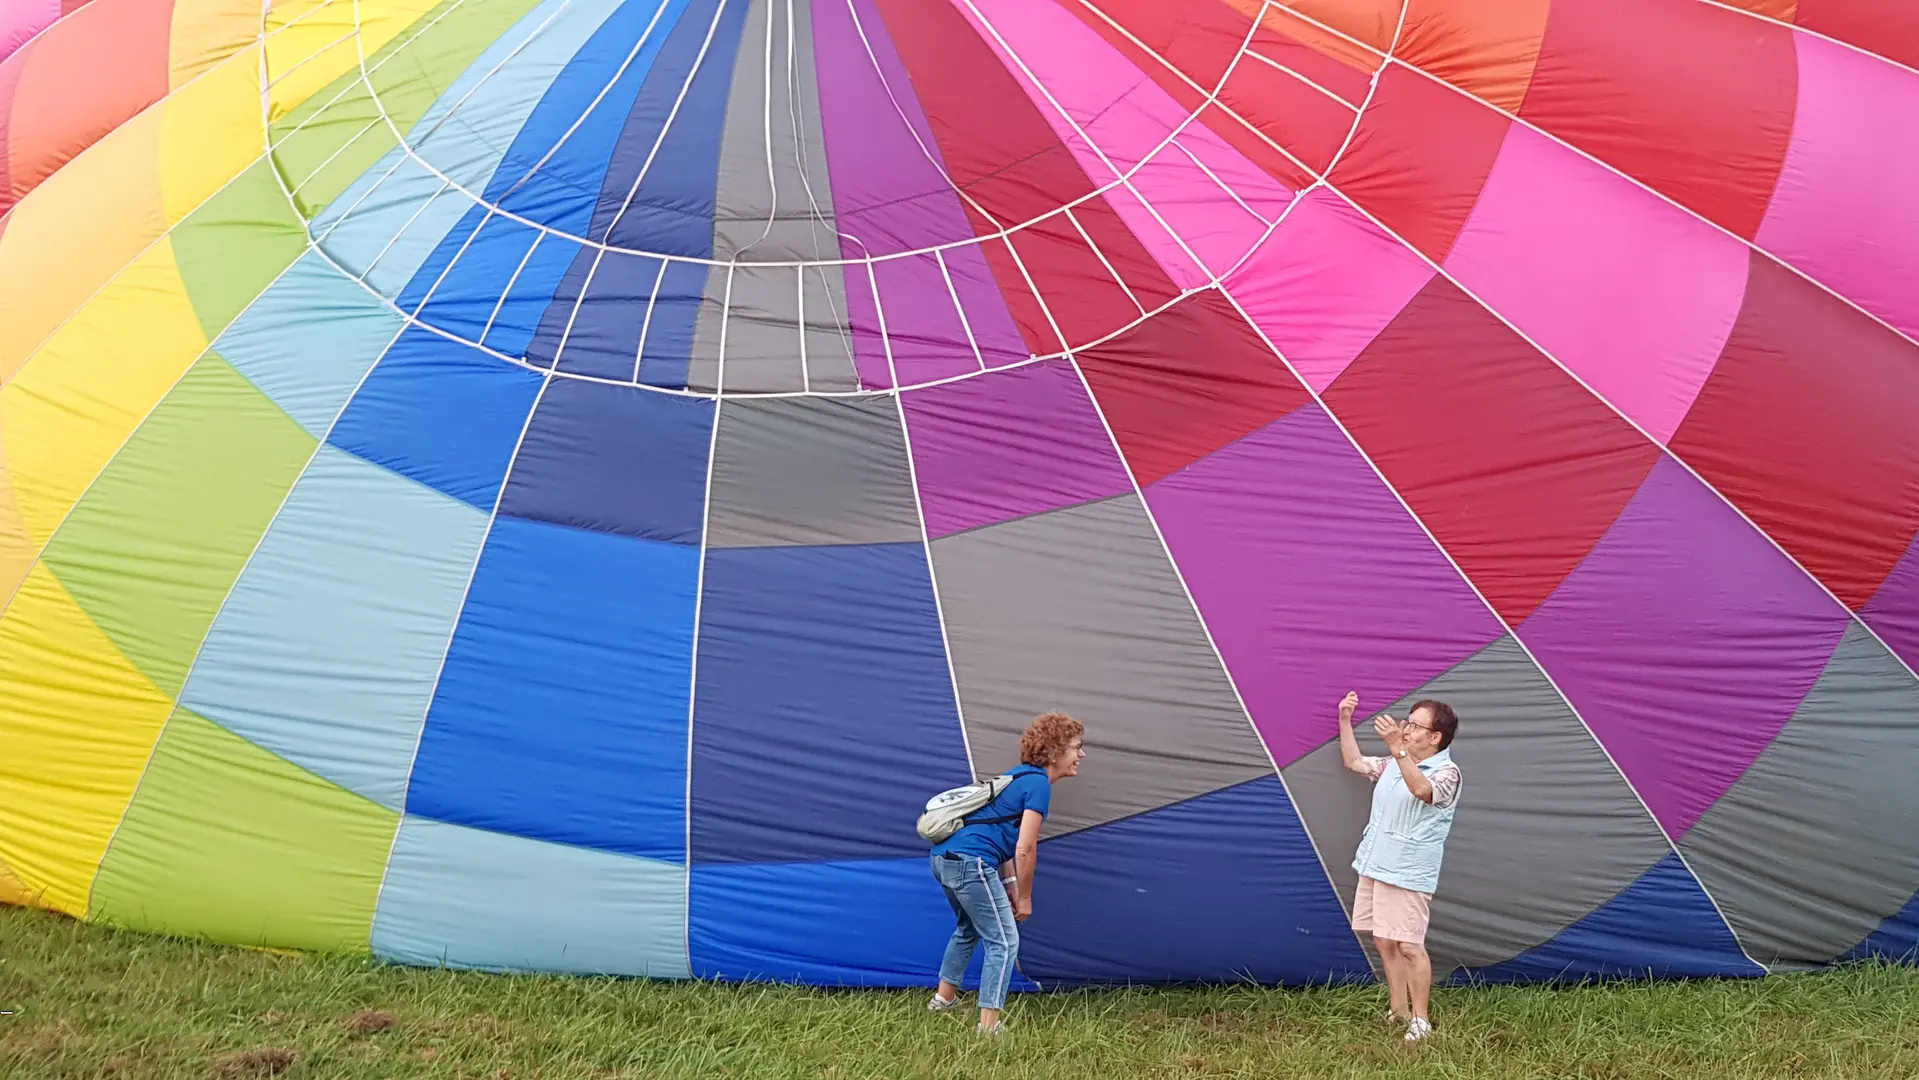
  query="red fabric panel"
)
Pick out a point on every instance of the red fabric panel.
point(10, 69)
point(1307, 123)
point(1201, 40)
point(1515, 467)
point(1186, 382)
point(1807, 424)
point(1420, 158)
point(1694, 100)
point(1003, 153)
point(1889, 28)
point(86, 75)
point(68, 7)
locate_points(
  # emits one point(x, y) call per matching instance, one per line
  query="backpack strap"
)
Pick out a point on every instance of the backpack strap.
point(1003, 819)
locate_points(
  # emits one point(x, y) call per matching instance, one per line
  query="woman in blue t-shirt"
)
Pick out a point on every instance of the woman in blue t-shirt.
point(987, 868)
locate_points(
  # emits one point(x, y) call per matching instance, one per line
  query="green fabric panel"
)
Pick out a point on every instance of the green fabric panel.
point(227, 841)
point(231, 249)
point(337, 140)
point(153, 547)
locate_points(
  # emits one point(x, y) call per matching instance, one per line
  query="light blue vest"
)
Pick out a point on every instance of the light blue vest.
point(1405, 837)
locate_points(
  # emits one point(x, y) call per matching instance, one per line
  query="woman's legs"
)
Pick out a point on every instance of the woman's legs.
point(965, 939)
point(993, 920)
point(1396, 976)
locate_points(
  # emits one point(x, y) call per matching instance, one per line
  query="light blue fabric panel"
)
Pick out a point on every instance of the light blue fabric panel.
point(327, 651)
point(309, 340)
point(462, 897)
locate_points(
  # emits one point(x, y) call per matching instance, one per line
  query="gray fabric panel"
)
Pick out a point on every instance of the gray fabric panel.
point(1079, 610)
point(1546, 830)
point(1814, 846)
point(811, 470)
point(774, 204)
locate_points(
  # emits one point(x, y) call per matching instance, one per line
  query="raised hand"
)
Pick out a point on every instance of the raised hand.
point(1346, 706)
point(1389, 731)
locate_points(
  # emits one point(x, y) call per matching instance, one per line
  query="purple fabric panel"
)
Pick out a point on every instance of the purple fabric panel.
point(1011, 443)
point(1893, 612)
point(929, 341)
point(889, 197)
point(1313, 579)
point(1686, 641)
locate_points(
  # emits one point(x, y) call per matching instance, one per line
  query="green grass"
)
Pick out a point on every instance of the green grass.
point(89, 1002)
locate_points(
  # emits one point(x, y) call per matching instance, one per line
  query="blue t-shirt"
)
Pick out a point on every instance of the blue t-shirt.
point(1030, 790)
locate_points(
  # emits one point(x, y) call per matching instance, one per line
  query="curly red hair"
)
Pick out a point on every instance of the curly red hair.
point(1046, 736)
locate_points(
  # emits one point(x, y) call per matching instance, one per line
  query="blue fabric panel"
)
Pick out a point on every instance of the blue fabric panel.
point(561, 714)
point(676, 313)
point(1225, 887)
point(436, 263)
point(1660, 927)
point(572, 132)
point(309, 340)
point(327, 649)
point(440, 412)
point(531, 295)
point(465, 299)
point(822, 679)
point(676, 168)
point(882, 922)
point(1897, 939)
point(466, 898)
point(615, 459)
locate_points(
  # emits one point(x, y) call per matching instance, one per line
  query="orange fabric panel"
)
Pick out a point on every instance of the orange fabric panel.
point(1322, 41)
point(1783, 10)
point(84, 77)
point(1370, 21)
point(1485, 47)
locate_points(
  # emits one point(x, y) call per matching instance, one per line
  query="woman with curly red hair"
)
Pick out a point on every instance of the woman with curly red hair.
point(986, 868)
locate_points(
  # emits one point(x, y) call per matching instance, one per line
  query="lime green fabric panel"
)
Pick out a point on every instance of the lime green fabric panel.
point(227, 841)
point(326, 144)
point(155, 544)
point(232, 248)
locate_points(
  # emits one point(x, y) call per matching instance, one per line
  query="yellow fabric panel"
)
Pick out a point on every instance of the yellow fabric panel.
point(211, 133)
point(206, 32)
point(78, 723)
point(74, 232)
point(66, 414)
point(16, 551)
point(311, 47)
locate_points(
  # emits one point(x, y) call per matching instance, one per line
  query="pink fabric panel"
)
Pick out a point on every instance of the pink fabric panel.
point(1634, 295)
point(1128, 118)
point(21, 19)
point(1325, 284)
point(1846, 209)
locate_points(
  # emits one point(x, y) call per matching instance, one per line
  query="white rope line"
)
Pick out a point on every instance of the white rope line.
point(1103, 261)
point(1277, 66)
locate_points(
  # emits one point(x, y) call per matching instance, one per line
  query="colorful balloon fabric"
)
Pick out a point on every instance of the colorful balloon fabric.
point(557, 484)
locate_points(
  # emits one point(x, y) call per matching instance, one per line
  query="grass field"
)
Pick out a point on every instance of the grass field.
point(87, 1002)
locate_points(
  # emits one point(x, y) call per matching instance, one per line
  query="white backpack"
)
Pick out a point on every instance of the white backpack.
point(946, 812)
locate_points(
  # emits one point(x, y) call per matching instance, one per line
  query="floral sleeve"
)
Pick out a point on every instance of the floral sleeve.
point(1375, 767)
point(1445, 783)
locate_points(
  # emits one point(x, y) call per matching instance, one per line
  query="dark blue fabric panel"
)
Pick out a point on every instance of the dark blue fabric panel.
point(615, 459)
point(561, 713)
point(1222, 888)
point(415, 290)
point(441, 412)
point(1662, 926)
point(676, 166)
point(466, 297)
point(604, 338)
point(669, 337)
point(823, 687)
point(530, 297)
point(676, 169)
point(1897, 939)
point(869, 923)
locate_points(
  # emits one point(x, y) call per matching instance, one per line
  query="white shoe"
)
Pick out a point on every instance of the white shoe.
point(1394, 1020)
point(940, 1004)
point(1418, 1029)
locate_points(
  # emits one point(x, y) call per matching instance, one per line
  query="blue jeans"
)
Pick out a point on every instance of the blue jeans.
point(985, 914)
